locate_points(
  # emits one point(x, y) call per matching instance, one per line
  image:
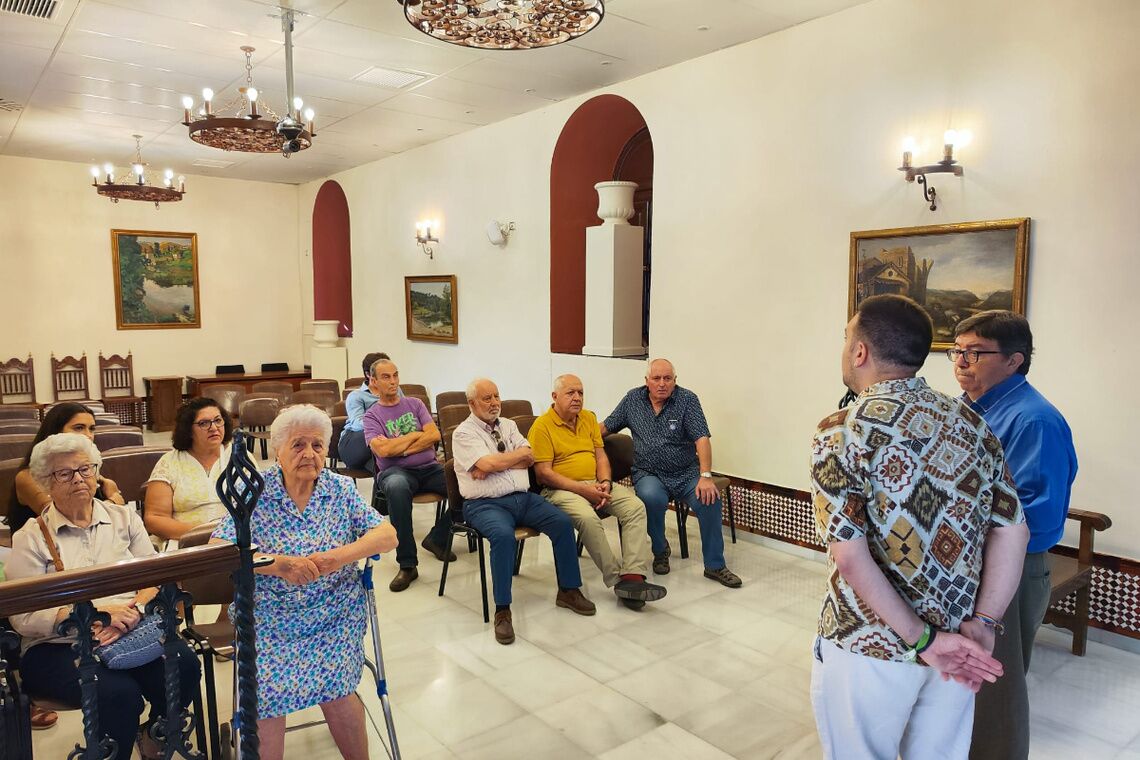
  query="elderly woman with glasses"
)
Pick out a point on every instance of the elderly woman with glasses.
point(309, 604)
point(180, 493)
point(87, 531)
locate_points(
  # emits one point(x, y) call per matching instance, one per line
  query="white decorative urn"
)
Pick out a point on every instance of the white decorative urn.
point(615, 202)
point(325, 332)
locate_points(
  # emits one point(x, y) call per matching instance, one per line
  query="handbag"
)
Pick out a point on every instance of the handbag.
point(140, 645)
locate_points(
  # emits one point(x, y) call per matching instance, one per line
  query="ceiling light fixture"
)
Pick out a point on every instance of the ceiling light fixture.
point(504, 24)
point(249, 130)
point(138, 190)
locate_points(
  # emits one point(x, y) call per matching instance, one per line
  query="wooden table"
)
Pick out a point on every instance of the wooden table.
point(198, 382)
point(163, 397)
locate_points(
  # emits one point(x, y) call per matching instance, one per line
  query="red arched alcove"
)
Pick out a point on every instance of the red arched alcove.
point(587, 152)
point(332, 258)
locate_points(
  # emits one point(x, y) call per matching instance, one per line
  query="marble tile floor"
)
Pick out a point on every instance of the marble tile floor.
point(707, 672)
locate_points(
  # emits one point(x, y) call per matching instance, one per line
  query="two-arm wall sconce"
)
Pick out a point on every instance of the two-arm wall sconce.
point(424, 236)
point(946, 166)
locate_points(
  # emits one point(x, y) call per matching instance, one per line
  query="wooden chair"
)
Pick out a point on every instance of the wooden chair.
point(323, 399)
point(524, 422)
point(69, 378)
point(257, 414)
point(335, 463)
point(445, 438)
point(17, 381)
point(449, 398)
point(8, 469)
point(452, 414)
point(458, 526)
point(320, 385)
point(723, 487)
point(15, 445)
point(280, 387)
point(228, 397)
point(340, 409)
point(117, 388)
point(516, 408)
point(19, 426)
point(19, 412)
point(1074, 575)
point(107, 439)
point(419, 391)
point(130, 467)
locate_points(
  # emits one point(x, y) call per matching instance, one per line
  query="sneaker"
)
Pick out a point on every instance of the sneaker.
point(661, 563)
point(403, 579)
point(573, 600)
point(633, 604)
point(41, 718)
point(504, 630)
point(639, 590)
point(724, 576)
point(437, 551)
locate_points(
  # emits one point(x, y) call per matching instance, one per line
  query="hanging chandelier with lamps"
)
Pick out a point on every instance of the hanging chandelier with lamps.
point(249, 129)
point(504, 24)
point(138, 190)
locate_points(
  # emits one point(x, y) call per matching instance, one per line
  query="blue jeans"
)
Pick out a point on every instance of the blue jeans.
point(497, 519)
point(399, 486)
point(652, 491)
point(354, 452)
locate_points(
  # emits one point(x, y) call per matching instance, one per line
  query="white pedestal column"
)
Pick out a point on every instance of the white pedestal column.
point(330, 363)
point(614, 263)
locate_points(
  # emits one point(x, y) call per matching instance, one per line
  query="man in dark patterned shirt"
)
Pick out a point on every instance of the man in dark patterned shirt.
point(911, 492)
point(672, 459)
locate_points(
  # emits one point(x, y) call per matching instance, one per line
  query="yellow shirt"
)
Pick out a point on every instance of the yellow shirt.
point(569, 450)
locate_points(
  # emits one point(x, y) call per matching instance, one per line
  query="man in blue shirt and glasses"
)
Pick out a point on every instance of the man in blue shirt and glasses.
point(991, 356)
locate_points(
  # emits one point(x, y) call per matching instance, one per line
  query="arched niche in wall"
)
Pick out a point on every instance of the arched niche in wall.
point(332, 258)
point(589, 150)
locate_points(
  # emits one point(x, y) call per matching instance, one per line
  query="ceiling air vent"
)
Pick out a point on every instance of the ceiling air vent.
point(388, 77)
point(10, 106)
point(44, 9)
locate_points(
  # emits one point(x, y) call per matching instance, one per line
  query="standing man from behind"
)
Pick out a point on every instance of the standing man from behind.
point(991, 355)
point(570, 461)
point(672, 459)
point(923, 530)
point(491, 459)
point(402, 435)
point(352, 447)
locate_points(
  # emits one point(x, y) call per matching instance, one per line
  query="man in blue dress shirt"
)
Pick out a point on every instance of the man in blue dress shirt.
point(672, 459)
point(353, 449)
point(991, 355)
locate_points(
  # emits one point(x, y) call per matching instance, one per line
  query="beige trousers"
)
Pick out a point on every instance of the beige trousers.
point(630, 513)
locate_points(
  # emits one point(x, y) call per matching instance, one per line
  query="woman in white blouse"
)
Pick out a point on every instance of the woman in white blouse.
point(181, 491)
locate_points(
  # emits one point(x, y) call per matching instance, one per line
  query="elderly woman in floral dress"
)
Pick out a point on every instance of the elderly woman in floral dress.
point(309, 603)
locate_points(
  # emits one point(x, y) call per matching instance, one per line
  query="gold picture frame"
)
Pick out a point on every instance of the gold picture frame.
point(431, 307)
point(952, 270)
point(156, 280)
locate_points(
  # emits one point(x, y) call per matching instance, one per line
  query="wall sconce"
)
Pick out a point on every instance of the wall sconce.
point(946, 166)
point(424, 236)
point(499, 233)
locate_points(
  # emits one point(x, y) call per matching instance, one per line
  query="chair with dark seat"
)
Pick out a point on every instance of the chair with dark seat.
point(354, 383)
point(524, 422)
point(102, 419)
point(516, 408)
point(229, 369)
point(446, 440)
point(723, 487)
point(117, 437)
point(280, 387)
point(20, 412)
point(69, 379)
point(257, 414)
point(320, 385)
point(335, 463)
point(8, 427)
point(8, 469)
point(458, 526)
point(340, 409)
point(450, 398)
point(130, 467)
point(322, 399)
point(18, 382)
point(275, 366)
point(452, 414)
point(1074, 575)
point(15, 445)
point(117, 388)
point(619, 450)
point(228, 397)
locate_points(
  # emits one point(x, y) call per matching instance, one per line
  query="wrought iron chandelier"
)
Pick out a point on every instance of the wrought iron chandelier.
point(138, 190)
point(504, 24)
point(250, 130)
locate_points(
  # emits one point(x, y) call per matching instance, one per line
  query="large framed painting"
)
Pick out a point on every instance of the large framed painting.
point(432, 309)
point(156, 279)
point(952, 270)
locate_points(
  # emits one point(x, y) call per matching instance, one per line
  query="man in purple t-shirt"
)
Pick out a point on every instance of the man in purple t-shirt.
point(402, 436)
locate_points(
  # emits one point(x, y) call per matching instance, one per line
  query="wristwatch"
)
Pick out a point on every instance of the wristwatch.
point(706, 474)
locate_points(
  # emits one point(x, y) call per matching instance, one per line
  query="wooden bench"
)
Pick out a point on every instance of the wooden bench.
point(1074, 574)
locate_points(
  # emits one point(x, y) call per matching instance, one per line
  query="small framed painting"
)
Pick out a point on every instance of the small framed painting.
point(432, 309)
point(156, 279)
point(951, 270)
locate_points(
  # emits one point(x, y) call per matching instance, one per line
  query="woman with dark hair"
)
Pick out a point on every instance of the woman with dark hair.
point(180, 493)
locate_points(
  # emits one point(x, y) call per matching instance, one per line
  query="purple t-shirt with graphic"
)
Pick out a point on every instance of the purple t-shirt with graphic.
point(408, 416)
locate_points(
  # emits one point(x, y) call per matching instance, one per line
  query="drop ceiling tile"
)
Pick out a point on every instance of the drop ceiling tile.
point(421, 105)
point(386, 50)
point(469, 93)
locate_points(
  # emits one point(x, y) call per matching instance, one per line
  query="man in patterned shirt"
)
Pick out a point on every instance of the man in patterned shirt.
point(672, 459)
point(911, 494)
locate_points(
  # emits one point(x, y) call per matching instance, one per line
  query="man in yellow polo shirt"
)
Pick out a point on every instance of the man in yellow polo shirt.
point(571, 464)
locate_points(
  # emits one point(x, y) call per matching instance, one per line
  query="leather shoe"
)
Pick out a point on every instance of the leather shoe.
point(724, 576)
point(633, 604)
point(403, 579)
point(573, 600)
point(41, 718)
point(639, 590)
point(437, 551)
point(504, 630)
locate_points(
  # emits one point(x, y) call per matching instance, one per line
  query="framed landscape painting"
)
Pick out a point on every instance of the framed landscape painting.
point(156, 279)
point(952, 270)
point(432, 309)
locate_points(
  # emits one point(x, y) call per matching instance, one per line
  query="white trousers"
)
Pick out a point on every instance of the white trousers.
point(868, 709)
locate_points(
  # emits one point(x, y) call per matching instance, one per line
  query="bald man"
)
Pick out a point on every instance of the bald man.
point(571, 463)
point(672, 459)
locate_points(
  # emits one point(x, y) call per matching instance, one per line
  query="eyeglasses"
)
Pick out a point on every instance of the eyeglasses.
point(66, 475)
point(499, 444)
point(207, 424)
point(972, 354)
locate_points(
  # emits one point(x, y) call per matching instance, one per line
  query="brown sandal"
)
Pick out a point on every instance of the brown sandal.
point(42, 719)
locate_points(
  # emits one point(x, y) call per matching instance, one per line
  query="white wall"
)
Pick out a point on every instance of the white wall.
point(767, 156)
point(59, 295)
